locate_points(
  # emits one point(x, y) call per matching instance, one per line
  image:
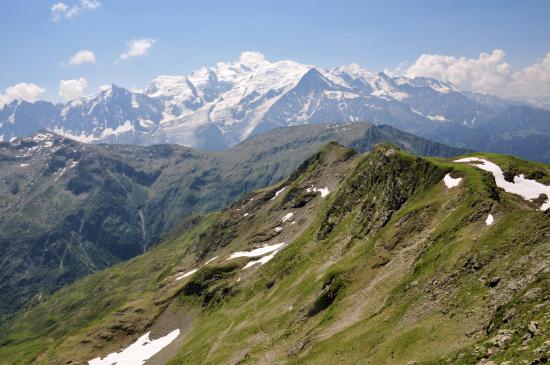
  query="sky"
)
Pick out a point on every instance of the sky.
point(58, 50)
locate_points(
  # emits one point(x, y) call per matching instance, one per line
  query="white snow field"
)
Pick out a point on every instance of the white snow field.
point(527, 188)
point(138, 352)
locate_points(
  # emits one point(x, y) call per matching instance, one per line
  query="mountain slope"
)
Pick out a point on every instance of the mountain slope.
point(68, 209)
point(383, 261)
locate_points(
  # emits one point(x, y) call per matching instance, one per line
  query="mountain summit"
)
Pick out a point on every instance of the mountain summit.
point(217, 107)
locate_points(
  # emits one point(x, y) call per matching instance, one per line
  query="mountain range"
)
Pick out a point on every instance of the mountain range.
point(68, 208)
point(375, 258)
point(217, 107)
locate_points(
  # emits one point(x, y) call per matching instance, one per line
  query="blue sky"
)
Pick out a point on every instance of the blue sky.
point(191, 34)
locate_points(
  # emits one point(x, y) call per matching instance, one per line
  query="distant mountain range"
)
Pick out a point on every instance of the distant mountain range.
point(69, 208)
point(216, 108)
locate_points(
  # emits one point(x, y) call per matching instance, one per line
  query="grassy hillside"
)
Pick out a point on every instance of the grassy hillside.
point(68, 209)
point(390, 267)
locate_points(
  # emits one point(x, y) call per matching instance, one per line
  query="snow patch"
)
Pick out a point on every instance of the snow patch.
point(209, 261)
point(436, 118)
point(189, 273)
point(287, 217)
point(264, 259)
point(490, 219)
point(278, 192)
point(324, 191)
point(257, 252)
point(527, 188)
point(137, 353)
point(278, 229)
point(450, 182)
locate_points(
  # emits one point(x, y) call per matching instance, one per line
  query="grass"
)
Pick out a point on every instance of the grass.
point(412, 288)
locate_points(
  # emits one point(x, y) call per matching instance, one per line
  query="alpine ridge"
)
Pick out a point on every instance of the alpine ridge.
point(375, 258)
point(68, 208)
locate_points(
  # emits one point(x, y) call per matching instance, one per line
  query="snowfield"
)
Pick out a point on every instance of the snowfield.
point(138, 352)
point(527, 188)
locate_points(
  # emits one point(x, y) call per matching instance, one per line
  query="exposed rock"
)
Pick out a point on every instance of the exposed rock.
point(533, 328)
point(493, 282)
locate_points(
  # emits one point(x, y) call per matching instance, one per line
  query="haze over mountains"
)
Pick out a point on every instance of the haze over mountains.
point(217, 107)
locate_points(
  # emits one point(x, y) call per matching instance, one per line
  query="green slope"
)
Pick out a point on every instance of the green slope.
point(390, 267)
point(68, 209)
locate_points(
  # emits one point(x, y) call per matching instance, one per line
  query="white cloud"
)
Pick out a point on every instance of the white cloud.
point(485, 73)
point(26, 91)
point(84, 56)
point(137, 47)
point(532, 81)
point(72, 89)
point(104, 87)
point(489, 73)
point(62, 10)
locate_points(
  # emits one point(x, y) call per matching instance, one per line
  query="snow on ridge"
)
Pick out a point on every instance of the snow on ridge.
point(138, 352)
point(526, 188)
point(256, 252)
point(451, 182)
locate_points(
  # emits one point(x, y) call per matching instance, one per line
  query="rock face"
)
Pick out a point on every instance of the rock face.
point(216, 108)
point(354, 258)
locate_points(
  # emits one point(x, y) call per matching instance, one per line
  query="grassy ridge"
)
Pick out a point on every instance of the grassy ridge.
point(408, 271)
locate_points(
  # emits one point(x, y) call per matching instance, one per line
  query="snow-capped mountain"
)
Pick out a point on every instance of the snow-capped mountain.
point(216, 107)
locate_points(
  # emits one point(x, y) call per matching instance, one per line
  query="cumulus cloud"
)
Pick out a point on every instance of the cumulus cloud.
point(26, 91)
point(486, 73)
point(84, 56)
point(72, 89)
point(104, 87)
point(137, 47)
point(62, 10)
point(489, 73)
